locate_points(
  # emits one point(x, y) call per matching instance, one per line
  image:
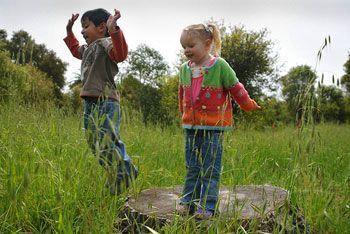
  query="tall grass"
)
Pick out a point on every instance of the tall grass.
point(50, 181)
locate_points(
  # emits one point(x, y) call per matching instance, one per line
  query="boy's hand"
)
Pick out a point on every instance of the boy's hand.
point(112, 21)
point(71, 22)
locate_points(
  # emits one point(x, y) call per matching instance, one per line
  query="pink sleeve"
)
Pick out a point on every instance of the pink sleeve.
point(241, 96)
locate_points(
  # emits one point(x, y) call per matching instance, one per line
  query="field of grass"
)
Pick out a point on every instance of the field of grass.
point(50, 181)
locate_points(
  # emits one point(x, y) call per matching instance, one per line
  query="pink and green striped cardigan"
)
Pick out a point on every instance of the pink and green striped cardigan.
point(212, 109)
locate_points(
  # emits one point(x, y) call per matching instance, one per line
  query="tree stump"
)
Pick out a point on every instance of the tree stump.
point(265, 204)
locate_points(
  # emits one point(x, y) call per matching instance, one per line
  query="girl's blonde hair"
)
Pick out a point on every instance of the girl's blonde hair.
point(206, 31)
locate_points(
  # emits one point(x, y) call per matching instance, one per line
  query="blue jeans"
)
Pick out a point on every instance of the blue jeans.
point(203, 152)
point(101, 123)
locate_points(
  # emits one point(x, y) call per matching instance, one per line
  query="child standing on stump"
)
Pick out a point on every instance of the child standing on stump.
point(207, 85)
point(105, 47)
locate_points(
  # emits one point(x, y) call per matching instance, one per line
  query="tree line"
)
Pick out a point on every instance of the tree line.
point(33, 73)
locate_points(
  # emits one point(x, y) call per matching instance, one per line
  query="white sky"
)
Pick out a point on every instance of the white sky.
point(298, 27)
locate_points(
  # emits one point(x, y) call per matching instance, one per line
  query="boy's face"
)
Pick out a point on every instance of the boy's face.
point(91, 32)
point(195, 48)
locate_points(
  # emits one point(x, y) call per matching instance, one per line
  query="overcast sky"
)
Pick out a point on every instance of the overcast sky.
point(298, 27)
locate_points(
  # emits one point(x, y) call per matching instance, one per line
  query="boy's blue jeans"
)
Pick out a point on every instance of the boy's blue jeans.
point(203, 152)
point(101, 123)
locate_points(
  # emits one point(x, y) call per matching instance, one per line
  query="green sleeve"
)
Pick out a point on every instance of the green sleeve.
point(185, 78)
point(228, 75)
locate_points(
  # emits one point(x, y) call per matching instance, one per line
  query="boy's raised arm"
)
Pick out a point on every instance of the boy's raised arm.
point(119, 51)
point(70, 40)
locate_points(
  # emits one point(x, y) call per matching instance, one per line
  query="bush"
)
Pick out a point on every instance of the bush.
point(24, 84)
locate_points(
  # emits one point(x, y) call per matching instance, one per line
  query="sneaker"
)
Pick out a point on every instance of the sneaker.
point(204, 214)
point(183, 209)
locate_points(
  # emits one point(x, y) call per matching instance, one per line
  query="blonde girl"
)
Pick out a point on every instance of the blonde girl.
point(207, 84)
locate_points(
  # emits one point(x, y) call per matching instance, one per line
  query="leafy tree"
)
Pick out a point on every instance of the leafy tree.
point(147, 65)
point(250, 54)
point(3, 39)
point(25, 51)
point(157, 105)
point(76, 81)
point(3, 34)
point(150, 98)
point(74, 99)
point(21, 47)
point(130, 91)
point(23, 83)
point(180, 59)
point(169, 101)
point(52, 66)
point(273, 114)
point(332, 104)
point(294, 85)
point(345, 79)
point(347, 108)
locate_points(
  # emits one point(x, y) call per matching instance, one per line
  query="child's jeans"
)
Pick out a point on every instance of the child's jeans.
point(101, 123)
point(203, 152)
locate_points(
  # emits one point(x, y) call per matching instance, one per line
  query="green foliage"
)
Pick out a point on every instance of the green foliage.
point(130, 91)
point(75, 100)
point(295, 85)
point(274, 113)
point(169, 101)
point(151, 109)
point(347, 108)
point(12, 79)
point(345, 79)
point(23, 83)
point(51, 183)
point(142, 97)
point(21, 46)
point(157, 105)
point(331, 103)
point(3, 35)
point(147, 65)
point(3, 41)
point(24, 50)
point(250, 55)
point(180, 59)
point(37, 87)
point(51, 65)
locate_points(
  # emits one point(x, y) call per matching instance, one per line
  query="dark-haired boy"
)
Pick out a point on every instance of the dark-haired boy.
point(105, 47)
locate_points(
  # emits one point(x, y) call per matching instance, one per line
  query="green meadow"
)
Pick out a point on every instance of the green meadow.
point(51, 182)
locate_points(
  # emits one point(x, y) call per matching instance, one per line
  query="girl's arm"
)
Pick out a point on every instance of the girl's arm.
point(241, 96)
point(236, 89)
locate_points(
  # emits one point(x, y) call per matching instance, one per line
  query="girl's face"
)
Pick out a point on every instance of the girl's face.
point(91, 32)
point(195, 48)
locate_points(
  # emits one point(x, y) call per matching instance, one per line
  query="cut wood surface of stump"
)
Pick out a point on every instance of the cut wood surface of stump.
point(246, 200)
point(157, 206)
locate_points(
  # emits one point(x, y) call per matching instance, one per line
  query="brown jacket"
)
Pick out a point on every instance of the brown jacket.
point(99, 64)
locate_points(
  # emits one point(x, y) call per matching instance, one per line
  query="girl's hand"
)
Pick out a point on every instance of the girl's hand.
point(256, 106)
point(71, 22)
point(112, 21)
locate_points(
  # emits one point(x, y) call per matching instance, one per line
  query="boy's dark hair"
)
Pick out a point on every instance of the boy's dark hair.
point(97, 16)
